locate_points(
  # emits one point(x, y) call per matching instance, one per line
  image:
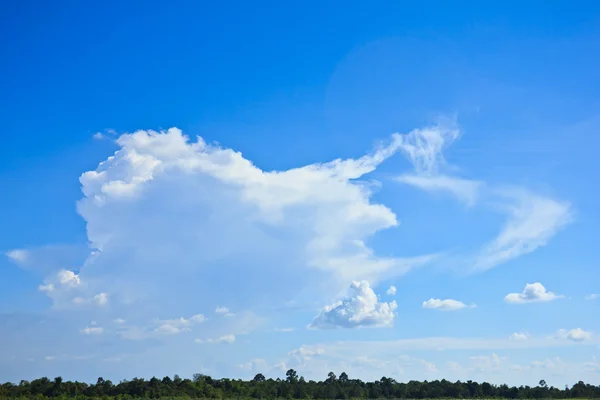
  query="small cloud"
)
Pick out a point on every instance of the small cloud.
point(119, 321)
point(105, 134)
point(593, 296)
point(224, 311)
point(68, 278)
point(532, 293)
point(519, 336)
point(446, 305)
point(46, 288)
point(174, 326)
point(304, 354)
point(576, 335)
point(361, 309)
point(101, 299)
point(391, 291)
point(49, 358)
point(18, 255)
point(227, 339)
point(92, 330)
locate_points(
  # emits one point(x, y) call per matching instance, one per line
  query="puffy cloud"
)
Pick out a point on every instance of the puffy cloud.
point(228, 339)
point(576, 335)
point(445, 305)
point(166, 215)
point(519, 336)
point(222, 310)
point(119, 321)
point(361, 309)
point(533, 221)
point(101, 299)
point(391, 291)
point(533, 292)
point(68, 278)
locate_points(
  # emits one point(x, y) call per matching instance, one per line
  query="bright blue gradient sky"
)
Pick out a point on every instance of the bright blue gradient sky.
point(466, 140)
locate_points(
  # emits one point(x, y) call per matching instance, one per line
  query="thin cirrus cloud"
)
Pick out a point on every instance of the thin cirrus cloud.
point(446, 304)
point(424, 149)
point(532, 219)
point(532, 293)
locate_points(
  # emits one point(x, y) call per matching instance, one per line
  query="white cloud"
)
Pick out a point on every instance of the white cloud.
point(445, 305)
point(213, 211)
point(18, 255)
point(304, 353)
point(101, 299)
point(174, 326)
point(532, 293)
point(46, 288)
point(68, 278)
point(361, 309)
point(593, 296)
point(222, 310)
point(228, 339)
point(424, 149)
point(119, 321)
point(533, 221)
point(576, 335)
point(519, 336)
point(391, 291)
point(92, 330)
point(464, 189)
point(98, 136)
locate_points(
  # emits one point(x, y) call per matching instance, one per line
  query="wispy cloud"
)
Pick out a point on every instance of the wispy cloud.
point(532, 221)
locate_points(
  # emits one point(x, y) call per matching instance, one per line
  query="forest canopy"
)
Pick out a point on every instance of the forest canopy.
point(292, 387)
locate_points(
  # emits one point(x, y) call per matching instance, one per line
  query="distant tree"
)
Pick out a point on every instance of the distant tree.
point(291, 376)
point(258, 378)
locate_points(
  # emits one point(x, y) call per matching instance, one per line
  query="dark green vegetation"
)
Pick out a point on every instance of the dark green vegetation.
point(342, 387)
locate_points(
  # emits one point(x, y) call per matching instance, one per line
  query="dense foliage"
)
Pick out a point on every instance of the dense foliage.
point(342, 387)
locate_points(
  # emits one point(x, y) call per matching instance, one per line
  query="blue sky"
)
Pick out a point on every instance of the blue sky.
point(233, 189)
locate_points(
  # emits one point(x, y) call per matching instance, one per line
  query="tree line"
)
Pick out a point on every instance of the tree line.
point(292, 387)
